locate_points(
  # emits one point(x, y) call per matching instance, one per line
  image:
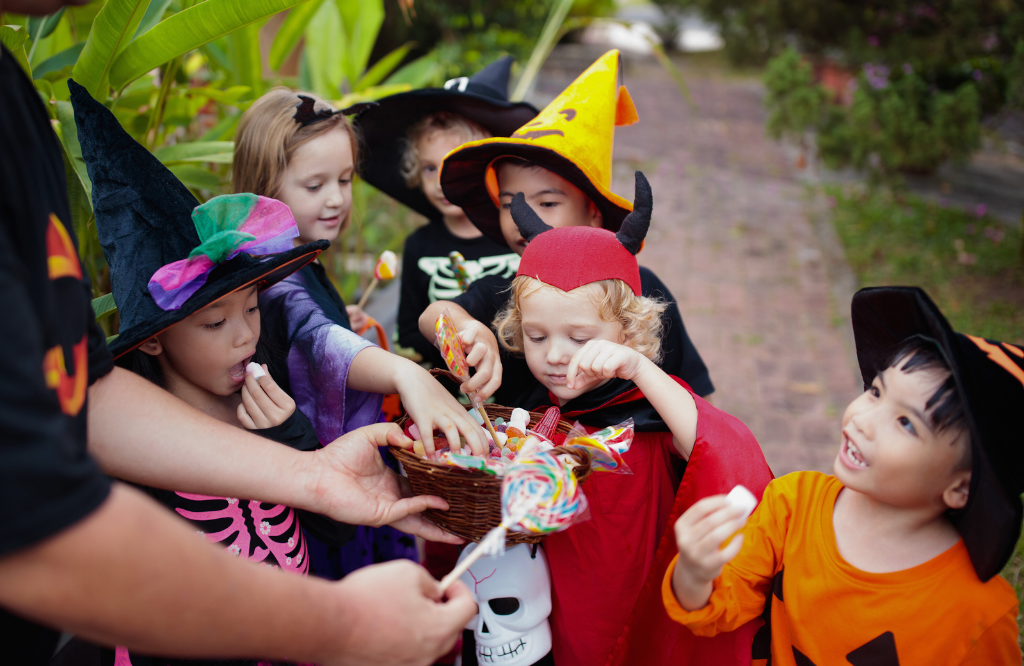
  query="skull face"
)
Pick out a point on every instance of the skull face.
point(514, 596)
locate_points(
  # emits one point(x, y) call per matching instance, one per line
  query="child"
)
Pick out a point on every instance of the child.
point(562, 162)
point(406, 137)
point(290, 149)
point(590, 339)
point(893, 560)
point(186, 279)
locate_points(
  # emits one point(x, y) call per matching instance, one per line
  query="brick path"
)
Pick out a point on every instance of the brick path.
point(763, 293)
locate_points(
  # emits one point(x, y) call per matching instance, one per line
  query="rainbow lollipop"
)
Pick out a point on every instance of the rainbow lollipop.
point(539, 495)
point(386, 269)
point(455, 358)
point(458, 263)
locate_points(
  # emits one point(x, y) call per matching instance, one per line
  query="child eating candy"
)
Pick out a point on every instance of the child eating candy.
point(406, 137)
point(562, 163)
point(895, 558)
point(591, 339)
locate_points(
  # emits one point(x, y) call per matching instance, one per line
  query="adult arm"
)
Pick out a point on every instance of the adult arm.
point(141, 433)
point(118, 575)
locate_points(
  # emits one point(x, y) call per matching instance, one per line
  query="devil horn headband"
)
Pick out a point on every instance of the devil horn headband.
point(306, 114)
point(529, 223)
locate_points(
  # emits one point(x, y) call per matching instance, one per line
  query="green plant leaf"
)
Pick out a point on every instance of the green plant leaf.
point(14, 38)
point(290, 33)
point(193, 176)
point(69, 140)
point(221, 152)
point(55, 63)
point(111, 32)
point(362, 20)
point(325, 51)
point(153, 14)
point(187, 30)
point(229, 96)
point(40, 27)
point(245, 57)
point(104, 306)
point(226, 127)
point(383, 67)
point(417, 73)
point(546, 42)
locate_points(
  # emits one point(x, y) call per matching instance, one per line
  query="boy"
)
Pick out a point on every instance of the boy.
point(561, 161)
point(893, 560)
point(406, 137)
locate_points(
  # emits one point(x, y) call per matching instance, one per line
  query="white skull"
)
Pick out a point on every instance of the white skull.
point(514, 596)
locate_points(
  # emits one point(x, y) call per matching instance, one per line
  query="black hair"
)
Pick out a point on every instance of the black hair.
point(945, 409)
point(267, 351)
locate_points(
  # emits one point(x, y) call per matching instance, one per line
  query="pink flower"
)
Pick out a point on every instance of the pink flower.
point(980, 210)
point(264, 528)
point(235, 550)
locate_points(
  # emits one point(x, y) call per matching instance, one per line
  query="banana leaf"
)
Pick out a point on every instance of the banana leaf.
point(291, 31)
point(111, 32)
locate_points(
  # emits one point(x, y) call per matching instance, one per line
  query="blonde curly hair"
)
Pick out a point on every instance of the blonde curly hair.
point(639, 316)
point(442, 121)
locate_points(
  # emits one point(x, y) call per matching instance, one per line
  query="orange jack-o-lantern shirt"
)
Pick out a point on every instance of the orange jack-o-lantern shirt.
point(822, 610)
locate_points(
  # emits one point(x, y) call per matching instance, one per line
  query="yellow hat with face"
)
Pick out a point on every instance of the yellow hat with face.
point(572, 137)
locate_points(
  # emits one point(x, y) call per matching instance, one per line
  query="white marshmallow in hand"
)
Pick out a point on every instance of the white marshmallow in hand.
point(742, 498)
point(256, 370)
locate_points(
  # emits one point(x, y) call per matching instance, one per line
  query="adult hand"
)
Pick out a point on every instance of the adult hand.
point(351, 483)
point(400, 618)
point(431, 406)
point(481, 349)
point(264, 403)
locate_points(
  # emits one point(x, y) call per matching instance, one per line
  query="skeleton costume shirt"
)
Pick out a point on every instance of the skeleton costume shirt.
point(822, 610)
point(427, 277)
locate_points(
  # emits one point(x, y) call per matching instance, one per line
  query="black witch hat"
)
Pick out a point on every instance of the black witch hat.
point(990, 377)
point(144, 216)
point(482, 98)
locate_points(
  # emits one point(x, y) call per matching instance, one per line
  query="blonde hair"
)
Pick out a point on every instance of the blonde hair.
point(442, 121)
point(639, 316)
point(268, 137)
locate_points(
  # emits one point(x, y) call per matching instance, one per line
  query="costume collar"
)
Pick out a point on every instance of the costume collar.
point(607, 405)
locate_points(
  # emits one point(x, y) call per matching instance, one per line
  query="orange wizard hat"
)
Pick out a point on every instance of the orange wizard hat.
point(572, 136)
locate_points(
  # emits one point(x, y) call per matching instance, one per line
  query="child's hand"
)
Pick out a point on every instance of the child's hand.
point(356, 317)
point(264, 403)
point(481, 349)
point(700, 533)
point(431, 406)
point(602, 359)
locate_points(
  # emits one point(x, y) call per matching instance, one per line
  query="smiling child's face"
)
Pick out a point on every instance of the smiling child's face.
point(556, 325)
point(888, 448)
point(557, 201)
point(210, 349)
point(317, 186)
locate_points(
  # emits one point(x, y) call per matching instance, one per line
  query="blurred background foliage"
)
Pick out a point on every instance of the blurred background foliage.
point(179, 73)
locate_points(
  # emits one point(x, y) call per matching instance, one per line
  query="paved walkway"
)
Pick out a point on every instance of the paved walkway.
point(747, 251)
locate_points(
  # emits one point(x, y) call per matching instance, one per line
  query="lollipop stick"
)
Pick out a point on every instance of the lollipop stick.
point(487, 423)
point(366, 294)
point(489, 545)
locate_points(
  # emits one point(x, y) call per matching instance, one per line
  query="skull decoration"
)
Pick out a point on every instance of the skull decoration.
point(514, 595)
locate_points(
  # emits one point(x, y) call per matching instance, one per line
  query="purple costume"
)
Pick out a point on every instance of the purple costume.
point(306, 315)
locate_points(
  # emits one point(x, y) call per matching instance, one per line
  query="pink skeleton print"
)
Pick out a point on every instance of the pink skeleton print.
point(275, 527)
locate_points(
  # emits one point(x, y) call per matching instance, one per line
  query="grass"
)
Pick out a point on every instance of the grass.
point(972, 267)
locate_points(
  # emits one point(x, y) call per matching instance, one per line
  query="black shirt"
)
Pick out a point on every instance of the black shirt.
point(485, 298)
point(427, 277)
point(51, 349)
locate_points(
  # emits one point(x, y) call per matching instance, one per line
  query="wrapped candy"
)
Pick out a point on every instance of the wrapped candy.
point(458, 265)
point(548, 423)
point(605, 447)
point(455, 358)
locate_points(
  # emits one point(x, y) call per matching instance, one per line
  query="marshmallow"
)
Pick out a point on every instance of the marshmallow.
point(742, 498)
point(255, 369)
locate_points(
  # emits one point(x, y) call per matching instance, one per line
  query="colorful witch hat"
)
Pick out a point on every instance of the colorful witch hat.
point(169, 256)
point(990, 378)
point(482, 98)
point(572, 136)
point(600, 254)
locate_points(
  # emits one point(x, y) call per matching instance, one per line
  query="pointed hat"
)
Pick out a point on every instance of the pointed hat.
point(573, 137)
point(482, 98)
point(168, 255)
point(990, 377)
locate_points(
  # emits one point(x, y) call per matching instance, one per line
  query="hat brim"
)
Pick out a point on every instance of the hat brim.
point(463, 180)
point(883, 318)
point(240, 272)
point(383, 129)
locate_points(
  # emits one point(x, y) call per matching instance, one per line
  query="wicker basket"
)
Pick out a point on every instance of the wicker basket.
point(473, 496)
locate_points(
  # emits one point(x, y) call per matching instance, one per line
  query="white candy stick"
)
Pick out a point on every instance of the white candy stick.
point(255, 369)
point(742, 498)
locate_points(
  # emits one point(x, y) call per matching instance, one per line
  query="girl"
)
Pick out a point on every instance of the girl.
point(592, 342)
point(297, 149)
